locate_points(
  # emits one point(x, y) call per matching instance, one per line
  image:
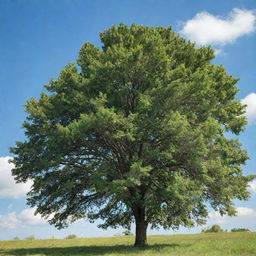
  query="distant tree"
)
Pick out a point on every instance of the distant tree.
point(71, 236)
point(127, 233)
point(135, 133)
point(30, 238)
point(240, 230)
point(16, 238)
point(213, 229)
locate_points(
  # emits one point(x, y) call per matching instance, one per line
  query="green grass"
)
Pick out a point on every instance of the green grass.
point(218, 244)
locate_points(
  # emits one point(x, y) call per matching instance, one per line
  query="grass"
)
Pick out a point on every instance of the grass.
point(214, 244)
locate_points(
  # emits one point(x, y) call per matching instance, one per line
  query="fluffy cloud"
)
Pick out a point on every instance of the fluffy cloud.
point(250, 101)
point(8, 187)
point(206, 28)
point(252, 186)
point(215, 218)
point(218, 52)
point(245, 211)
point(23, 219)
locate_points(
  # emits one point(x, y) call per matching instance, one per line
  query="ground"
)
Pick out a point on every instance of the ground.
point(214, 244)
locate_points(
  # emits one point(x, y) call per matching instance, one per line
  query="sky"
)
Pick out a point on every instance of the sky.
point(38, 38)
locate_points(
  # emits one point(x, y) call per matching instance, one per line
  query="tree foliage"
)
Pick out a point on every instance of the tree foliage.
point(127, 233)
point(71, 237)
point(213, 229)
point(135, 132)
point(240, 230)
point(32, 237)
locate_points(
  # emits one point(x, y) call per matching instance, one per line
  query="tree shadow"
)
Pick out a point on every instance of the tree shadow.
point(89, 250)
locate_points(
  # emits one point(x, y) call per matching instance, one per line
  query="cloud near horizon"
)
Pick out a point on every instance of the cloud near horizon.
point(214, 217)
point(206, 29)
point(8, 187)
point(23, 219)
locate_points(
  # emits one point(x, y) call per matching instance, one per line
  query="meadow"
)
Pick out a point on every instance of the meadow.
point(211, 244)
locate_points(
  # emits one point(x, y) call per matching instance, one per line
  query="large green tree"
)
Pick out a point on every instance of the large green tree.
point(135, 133)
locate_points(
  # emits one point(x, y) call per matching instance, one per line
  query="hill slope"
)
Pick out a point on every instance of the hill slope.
point(218, 244)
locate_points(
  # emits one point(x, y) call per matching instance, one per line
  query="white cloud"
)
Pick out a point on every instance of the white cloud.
point(252, 186)
point(8, 187)
point(218, 52)
point(10, 206)
point(29, 218)
point(245, 211)
point(250, 101)
point(23, 219)
point(206, 28)
point(216, 218)
point(9, 221)
point(245, 218)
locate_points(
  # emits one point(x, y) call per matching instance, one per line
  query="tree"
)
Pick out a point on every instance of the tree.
point(71, 236)
point(135, 133)
point(127, 233)
point(213, 229)
point(30, 237)
point(240, 230)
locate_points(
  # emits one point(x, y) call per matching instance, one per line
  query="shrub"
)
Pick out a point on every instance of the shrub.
point(71, 236)
point(213, 229)
point(16, 238)
point(240, 230)
point(30, 238)
point(127, 233)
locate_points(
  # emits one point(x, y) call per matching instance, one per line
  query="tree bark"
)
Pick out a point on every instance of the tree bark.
point(141, 228)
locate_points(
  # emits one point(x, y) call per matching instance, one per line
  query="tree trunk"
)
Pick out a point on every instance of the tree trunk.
point(141, 228)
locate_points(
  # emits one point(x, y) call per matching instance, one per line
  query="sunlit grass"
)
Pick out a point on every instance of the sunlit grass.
point(218, 244)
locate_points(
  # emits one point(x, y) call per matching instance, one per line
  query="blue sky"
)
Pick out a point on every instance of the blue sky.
point(38, 38)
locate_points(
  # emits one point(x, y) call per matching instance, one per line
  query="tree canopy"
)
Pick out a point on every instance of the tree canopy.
point(134, 132)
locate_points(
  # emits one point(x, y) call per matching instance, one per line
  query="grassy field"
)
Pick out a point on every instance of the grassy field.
point(222, 244)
